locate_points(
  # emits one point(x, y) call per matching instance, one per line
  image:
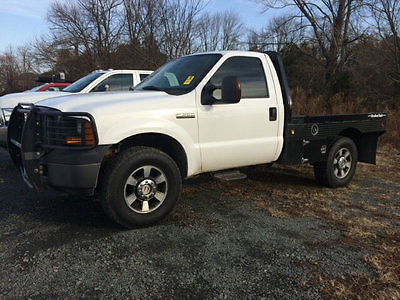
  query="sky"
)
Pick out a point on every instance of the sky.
point(23, 20)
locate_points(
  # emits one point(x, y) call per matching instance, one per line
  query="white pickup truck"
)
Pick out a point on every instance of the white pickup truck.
point(200, 113)
point(97, 81)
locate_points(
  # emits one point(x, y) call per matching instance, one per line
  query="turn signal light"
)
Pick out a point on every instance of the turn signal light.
point(73, 140)
point(89, 134)
point(84, 136)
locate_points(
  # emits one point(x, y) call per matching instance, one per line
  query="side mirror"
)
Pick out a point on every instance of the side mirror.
point(231, 91)
point(207, 94)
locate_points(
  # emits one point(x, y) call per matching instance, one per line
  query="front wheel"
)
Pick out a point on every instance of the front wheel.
point(140, 186)
point(340, 166)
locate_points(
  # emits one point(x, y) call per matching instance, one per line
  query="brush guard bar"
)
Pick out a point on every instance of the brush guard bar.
point(26, 135)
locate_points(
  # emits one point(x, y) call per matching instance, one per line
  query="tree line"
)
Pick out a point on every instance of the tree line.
point(120, 34)
point(330, 47)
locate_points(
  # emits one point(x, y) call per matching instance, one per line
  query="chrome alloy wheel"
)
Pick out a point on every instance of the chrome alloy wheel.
point(145, 189)
point(342, 163)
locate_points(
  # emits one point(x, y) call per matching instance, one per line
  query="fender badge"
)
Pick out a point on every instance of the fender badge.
point(185, 116)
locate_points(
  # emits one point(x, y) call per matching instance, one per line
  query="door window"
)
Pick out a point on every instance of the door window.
point(143, 76)
point(117, 82)
point(250, 74)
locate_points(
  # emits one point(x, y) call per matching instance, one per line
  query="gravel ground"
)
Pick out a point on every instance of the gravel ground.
point(213, 246)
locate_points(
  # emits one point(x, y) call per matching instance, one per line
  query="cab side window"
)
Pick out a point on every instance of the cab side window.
point(250, 74)
point(143, 76)
point(117, 82)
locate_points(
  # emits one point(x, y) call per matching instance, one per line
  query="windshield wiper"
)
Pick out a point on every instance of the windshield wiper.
point(152, 88)
point(171, 90)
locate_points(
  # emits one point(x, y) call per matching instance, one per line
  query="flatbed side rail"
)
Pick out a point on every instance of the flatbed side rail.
point(338, 118)
point(308, 138)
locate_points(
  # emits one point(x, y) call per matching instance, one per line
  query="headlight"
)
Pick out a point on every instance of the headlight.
point(5, 117)
point(83, 134)
point(69, 131)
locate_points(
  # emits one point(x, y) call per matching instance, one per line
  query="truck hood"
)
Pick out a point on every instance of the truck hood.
point(109, 102)
point(11, 100)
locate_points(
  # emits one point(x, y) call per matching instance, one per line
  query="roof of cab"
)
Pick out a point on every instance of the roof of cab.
point(238, 52)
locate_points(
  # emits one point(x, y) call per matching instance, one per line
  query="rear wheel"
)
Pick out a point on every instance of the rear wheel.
point(140, 186)
point(340, 166)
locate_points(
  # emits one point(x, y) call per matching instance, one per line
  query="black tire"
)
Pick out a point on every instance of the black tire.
point(329, 173)
point(114, 185)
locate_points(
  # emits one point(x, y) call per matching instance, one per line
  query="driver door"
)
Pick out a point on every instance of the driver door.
point(241, 134)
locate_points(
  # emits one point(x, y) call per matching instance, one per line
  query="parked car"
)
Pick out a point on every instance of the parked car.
point(50, 87)
point(200, 113)
point(97, 81)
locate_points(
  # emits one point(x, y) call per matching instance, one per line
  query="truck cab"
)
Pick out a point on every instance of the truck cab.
point(207, 112)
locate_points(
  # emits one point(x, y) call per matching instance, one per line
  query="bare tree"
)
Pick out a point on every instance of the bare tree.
point(26, 58)
point(92, 27)
point(333, 28)
point(209, 32)
point(282, 32)
point(232, 29)
point(386, 14)
point(9, 71)
point(142, 18)
point(69, 26)
point(44, 52)
point(221, 31)
point(178, 23)
point(144, 30)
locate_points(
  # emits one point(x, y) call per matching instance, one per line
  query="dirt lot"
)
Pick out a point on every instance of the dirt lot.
point(276, 234)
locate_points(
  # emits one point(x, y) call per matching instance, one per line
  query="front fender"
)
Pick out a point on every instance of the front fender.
point(184, 132)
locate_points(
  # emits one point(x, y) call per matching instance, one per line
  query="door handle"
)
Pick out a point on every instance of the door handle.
point(273, 114)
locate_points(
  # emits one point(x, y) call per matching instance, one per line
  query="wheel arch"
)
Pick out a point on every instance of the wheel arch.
point(160, 141)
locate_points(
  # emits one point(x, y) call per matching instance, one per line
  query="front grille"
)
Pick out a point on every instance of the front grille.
point(52, 128)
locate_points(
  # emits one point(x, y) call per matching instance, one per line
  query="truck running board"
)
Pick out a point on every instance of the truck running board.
point(229, 175)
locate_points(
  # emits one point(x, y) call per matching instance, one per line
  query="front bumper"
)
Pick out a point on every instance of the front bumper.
point(74, 172)
point(70, 170)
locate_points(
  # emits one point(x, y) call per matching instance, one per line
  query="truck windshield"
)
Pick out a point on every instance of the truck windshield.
point(181, 75)
point(80, 84)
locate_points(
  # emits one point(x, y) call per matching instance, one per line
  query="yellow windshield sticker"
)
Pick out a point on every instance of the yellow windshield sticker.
point(188, 80)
